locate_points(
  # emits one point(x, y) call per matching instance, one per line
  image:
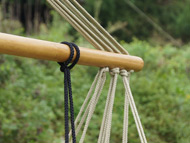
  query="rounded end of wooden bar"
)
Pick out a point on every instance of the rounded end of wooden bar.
point(45, 50)
point(141, 65)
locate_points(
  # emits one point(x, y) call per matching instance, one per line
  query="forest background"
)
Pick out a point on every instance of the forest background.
point(31, 91)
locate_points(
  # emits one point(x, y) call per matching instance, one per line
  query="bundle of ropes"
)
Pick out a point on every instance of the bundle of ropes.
point(81, 20)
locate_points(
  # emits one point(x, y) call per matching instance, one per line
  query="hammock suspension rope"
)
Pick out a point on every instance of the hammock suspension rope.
point(65, 67)
point(79, 18)
point(111, 59)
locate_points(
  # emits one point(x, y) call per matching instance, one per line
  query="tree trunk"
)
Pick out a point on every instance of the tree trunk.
point(28, 17)
point(36, 16)
point(12, 11)
point(18, 10)
point(3, 9)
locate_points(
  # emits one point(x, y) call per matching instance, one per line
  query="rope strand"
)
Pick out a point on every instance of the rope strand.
point(65, 67)
point(79, 18)
point(140, 130)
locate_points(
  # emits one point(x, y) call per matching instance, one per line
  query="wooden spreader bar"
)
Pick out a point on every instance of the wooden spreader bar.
point(45, 50)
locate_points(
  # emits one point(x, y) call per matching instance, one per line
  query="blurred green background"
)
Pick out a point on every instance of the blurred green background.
point(31, 91)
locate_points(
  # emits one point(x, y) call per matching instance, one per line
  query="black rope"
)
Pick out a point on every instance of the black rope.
point(65, 67)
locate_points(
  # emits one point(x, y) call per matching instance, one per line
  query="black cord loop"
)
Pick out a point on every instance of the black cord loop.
point(65, 67)
point(66, 63)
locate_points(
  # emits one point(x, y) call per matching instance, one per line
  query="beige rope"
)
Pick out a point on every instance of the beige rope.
point(125, 76)
point(90, 103)
point(114, 73)
point(125, 120)
point(105, 116)
point(79, 18)
point(98, 84)
point(104, 135)
point(98, 26)
point(94, 100)
point(93, 28)
point(84, 105)
point(90, 29)
point(75, 25)
point(82, 25)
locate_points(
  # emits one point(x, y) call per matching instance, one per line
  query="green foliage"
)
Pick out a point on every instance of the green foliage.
point(56, 31)
point(172, 16)
point(31, 97)
point(182, 18)
point(31, 94)
point(11, 26)
point(162, 91)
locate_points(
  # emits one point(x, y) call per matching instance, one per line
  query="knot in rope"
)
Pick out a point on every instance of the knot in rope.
point(114, 71)
point(125, 73)
point(65, 67)
point(104, 70)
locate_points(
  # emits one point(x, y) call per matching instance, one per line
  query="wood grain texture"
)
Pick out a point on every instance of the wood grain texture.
point(45, 50)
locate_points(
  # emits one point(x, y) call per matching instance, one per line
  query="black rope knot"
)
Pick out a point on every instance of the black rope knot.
point(65, 67)
point(65, 64)
point(62, 67)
